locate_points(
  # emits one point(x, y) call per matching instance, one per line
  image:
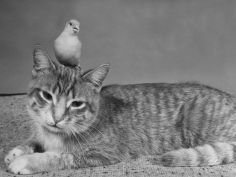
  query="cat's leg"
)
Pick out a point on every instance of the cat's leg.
point(28, 147)
point(98, 158)
point(39, 162)
point(47, 161)
point(206, 155)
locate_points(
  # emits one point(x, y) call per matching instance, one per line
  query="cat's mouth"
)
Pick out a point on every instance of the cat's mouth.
point(52, 128)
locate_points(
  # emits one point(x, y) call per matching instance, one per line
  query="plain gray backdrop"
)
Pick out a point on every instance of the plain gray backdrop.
point(143, 40)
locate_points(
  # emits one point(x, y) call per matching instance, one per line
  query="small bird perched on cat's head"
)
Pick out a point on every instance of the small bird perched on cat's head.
point(67, 46)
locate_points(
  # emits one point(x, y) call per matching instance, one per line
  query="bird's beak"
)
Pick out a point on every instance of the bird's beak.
point(76, 28)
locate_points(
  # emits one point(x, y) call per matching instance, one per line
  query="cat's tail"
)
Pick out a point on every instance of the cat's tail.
point(205, 155)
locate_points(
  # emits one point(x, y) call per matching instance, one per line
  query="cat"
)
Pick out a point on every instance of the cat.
point(79, 123)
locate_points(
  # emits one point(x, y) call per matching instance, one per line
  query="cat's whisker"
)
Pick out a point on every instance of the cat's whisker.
point(84, 139)
point(81, 148)
point(68, 129)
point(82, 136)
point(68, 132)
point(94, 128)
point(97, 130)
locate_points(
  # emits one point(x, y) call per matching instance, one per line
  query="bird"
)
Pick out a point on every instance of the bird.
point(67, 46)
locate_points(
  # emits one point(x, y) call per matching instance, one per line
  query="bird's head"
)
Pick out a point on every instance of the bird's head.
point(72, 26)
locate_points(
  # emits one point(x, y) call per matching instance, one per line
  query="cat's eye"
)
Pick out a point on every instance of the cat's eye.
point(77, 105)
point(45, 95)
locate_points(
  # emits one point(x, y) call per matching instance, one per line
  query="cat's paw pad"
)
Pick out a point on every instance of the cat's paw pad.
point(13, 154)
point(20, 166)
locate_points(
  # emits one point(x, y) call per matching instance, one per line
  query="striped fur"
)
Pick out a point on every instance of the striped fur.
point(188, 124)
point(206, 155)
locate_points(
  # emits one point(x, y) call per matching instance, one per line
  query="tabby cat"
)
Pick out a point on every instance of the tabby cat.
point(78, 123)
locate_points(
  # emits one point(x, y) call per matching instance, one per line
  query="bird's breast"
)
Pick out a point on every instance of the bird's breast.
point(67, 47)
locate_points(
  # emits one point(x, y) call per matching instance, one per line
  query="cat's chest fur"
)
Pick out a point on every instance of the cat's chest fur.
point(51, 142)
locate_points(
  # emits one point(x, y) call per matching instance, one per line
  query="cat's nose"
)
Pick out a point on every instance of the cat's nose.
point(53, 124)
point(57, 120)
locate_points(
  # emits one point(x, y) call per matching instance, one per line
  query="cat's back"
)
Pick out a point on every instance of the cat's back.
point(166, 99)
point(185, 90)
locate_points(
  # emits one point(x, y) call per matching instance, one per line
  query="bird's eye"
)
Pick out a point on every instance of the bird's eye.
point(70, 24)
point(77, 105)
point(45, 95)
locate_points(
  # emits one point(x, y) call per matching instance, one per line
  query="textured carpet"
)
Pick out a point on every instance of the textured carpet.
point(14, 128)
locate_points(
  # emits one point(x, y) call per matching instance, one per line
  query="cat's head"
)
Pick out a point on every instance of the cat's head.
point(61, 100)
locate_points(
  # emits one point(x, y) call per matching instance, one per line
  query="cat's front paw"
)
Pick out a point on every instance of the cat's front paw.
point(13, 154)
point(20, 165)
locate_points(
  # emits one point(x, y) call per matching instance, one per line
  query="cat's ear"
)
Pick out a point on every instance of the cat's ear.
point(96, 76)
point(41, 61)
